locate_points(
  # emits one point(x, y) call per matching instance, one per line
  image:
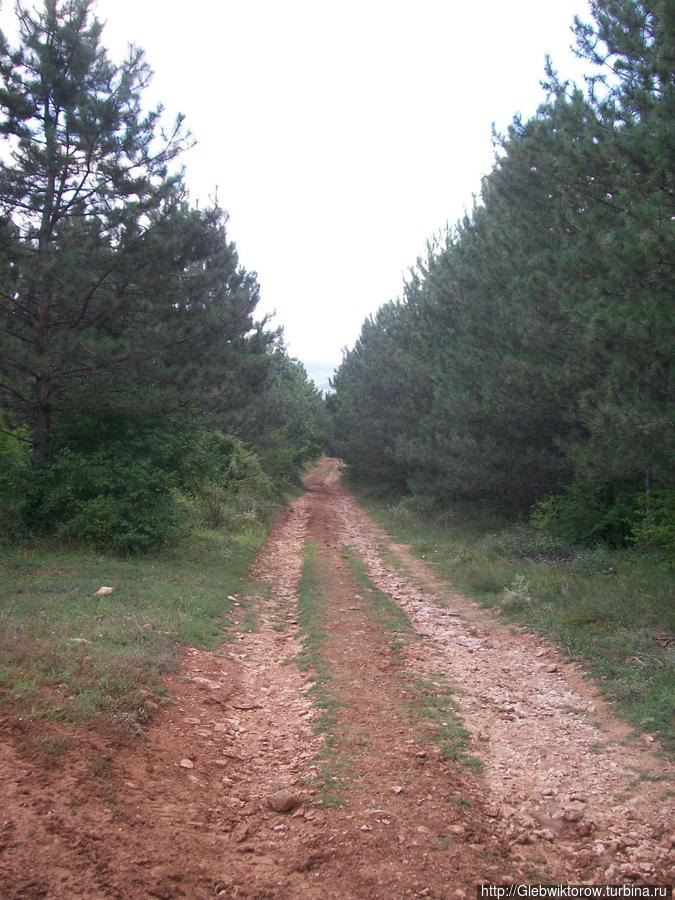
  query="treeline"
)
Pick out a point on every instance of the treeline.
point(529, 361)
point(137, 388)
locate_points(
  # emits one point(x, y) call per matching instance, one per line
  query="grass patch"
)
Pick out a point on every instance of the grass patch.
point(606, 608)
point(382, 610)
point(70, 654)
point(432, 701)
point(312, 620)
point(433, 704)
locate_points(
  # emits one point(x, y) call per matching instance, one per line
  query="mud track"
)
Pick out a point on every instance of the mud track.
point(376, 806)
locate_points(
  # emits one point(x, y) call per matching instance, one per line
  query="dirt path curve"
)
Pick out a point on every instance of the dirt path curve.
point(233, 790)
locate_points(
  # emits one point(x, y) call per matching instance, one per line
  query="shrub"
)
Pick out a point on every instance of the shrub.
point(107, 499)
point(654, 524)
point(108, 481)
point(589, 513)
point(227, 483)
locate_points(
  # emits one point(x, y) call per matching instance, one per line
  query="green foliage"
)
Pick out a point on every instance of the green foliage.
point(377, 397)
point(226, 485)
point(122, 481)
point(107, 483)
point(286, 422)
point(127, 328)
point(14, 453)
point(531, 355)
point(655, 520)
point(107, 276)
point(589, 514)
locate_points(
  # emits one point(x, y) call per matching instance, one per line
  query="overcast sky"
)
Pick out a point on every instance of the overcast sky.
point(340, 136)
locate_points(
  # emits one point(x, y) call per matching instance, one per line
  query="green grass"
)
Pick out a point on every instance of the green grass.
point(383, 611)
point(433, 704)
point(70, 654)
point(603, 607)
point(312, 619)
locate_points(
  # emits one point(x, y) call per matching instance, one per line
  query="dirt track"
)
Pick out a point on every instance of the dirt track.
point(187, 811)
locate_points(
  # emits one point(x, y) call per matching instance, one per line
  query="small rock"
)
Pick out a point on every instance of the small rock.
point(545, 834)
point(186, 764)
point(584, 829)
point(551, 668)
point(629, 871)
point(240, 832)
point(397, 789)
point(104, 590)
point(283, 801)
point(573, 815)
point(493, 811)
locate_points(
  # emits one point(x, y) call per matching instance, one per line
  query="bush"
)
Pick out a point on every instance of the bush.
point(123, 481)
point(108, 482)
point(226, 483)
point(589, 513)
point(655, 520)
point(108, 500)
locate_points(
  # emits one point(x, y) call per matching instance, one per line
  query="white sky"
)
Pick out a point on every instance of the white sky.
point(340, 135)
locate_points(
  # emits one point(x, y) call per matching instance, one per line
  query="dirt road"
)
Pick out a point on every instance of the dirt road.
point(266, 781)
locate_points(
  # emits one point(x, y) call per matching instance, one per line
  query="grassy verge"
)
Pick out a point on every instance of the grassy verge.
point(312, 619)
point(612, 609)
point(68, 653)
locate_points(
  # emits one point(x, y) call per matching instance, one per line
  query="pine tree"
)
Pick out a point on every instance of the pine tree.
point(85, 176)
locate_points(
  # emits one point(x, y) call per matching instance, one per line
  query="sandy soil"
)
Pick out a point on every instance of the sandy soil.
point(221, 797)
